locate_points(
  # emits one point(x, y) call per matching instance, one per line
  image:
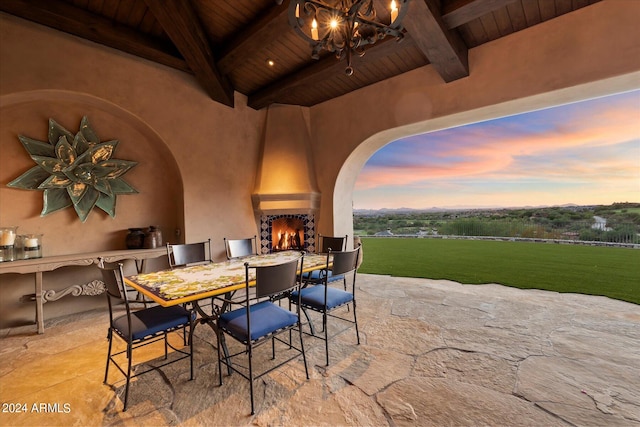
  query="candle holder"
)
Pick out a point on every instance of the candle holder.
point(7, 243)
point(31, 246)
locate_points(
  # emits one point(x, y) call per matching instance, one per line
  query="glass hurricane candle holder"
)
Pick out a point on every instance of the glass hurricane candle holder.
point(7, 243)
point(31, 246)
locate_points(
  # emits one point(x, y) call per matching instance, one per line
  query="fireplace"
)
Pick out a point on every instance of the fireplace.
point(287, 232)
point(286, 198)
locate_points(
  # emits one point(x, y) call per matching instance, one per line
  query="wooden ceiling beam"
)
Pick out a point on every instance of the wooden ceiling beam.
point(459, 12)
point(181, 23)
point(321, 70)
point(431, 30)
point(444, 48)
point(65, 17)
point(255, 37)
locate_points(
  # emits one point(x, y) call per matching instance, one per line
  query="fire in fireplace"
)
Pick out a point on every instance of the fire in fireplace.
point(287, 232)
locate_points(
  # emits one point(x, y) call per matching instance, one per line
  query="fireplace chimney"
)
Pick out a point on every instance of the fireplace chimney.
point(286, 179)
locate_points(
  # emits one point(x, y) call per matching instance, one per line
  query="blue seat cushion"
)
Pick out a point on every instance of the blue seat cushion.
point(266, 318)
point(313, 297)
point(150, 321)
point(318, 276)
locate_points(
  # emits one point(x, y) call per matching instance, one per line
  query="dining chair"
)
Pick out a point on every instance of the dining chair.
point(325, 299)
point(186, 254)
point(326, 244)
point(182, 255)
point(261, 320)
point(336, 244)
point(136, 297)
point(142, 327)
point(237, 248)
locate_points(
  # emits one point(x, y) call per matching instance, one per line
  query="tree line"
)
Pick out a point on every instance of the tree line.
point(566, 222)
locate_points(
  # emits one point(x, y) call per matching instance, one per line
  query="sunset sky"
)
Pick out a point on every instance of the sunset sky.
point(584, 153)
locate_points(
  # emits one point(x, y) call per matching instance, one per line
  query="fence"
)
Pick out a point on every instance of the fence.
point(582, 231)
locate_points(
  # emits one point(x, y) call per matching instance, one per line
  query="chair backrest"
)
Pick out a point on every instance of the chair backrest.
point(332, 243)
point(344, 262)
point(237, 248)
point(113, 279)
point(275, 279)
point(189, 253)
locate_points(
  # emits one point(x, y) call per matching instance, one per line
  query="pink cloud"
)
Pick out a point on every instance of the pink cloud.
point(585, 153)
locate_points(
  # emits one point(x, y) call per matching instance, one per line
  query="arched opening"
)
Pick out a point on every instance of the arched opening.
point(345, 182)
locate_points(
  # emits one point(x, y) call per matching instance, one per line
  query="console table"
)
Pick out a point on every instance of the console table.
point(41, 265)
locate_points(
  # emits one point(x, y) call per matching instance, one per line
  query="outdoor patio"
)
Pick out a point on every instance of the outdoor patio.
point(433, 352)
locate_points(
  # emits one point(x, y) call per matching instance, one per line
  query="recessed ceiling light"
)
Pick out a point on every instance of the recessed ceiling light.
point(270, 62)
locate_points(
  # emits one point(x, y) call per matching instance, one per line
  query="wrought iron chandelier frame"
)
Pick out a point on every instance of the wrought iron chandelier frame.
point(344, 27)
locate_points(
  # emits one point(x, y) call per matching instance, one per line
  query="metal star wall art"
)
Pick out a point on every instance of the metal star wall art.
point(76, 171)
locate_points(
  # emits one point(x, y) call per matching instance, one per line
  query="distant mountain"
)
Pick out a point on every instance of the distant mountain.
point(387, 211)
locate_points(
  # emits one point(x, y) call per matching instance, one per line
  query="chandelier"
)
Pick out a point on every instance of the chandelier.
point(344, 27)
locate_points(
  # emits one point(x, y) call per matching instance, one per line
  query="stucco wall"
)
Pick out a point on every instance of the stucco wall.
point(214, 150)
point(197, 158)
point(209, 142)
point(559, 61)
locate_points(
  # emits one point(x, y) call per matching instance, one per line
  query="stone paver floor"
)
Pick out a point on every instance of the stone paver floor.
point(432, 353)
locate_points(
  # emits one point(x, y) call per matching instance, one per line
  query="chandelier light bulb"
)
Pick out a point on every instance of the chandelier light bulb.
point(394, 11)
point(314, 29)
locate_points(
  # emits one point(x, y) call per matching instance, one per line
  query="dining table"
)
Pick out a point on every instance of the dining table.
point(203, 282)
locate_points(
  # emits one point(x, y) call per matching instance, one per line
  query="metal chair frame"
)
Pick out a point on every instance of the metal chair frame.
point(113, 278)
point(181, 255)
point(336, 244)
point(273, 283)
point(339, 263)
point(326, 244)
point(238, 248)
point(185, 254)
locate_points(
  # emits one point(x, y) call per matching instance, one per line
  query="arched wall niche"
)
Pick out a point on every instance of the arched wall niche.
point(156, 177)
point(348, 174)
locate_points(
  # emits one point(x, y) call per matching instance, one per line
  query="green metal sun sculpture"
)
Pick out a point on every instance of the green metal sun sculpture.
point(75, 170)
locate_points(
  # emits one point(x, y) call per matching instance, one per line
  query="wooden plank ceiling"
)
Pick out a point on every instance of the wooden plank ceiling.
point(226, 44)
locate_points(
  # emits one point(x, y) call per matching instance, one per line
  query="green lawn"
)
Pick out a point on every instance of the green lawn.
point(592, 270)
